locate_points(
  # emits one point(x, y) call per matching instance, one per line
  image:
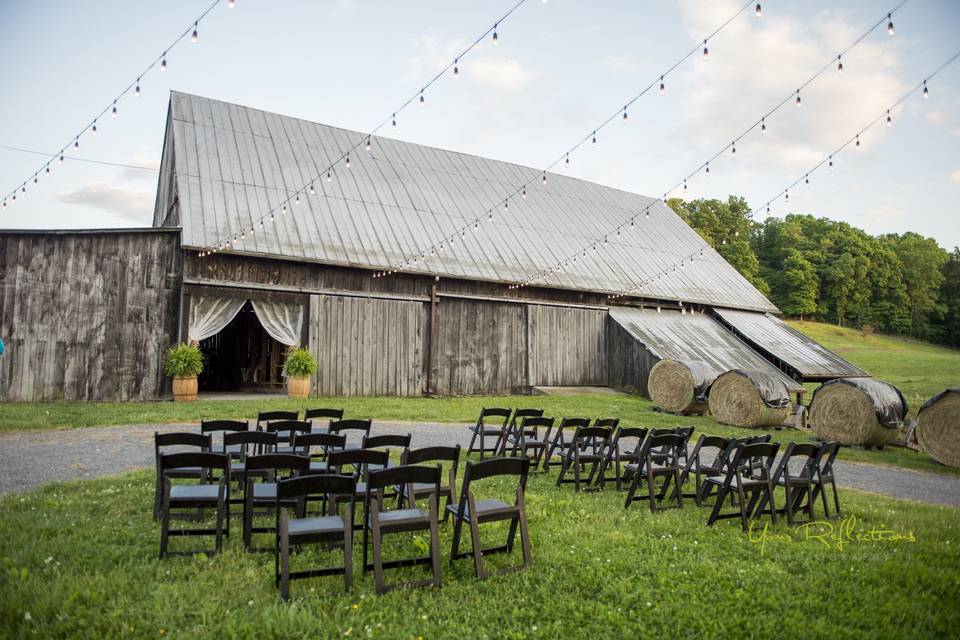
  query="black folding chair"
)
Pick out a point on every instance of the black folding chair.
point(277, 466)
point(624, 449)
point(475, 512)
point(209, 427)
point(380, 521)
point(449, 455)
point(512, 433)
point(386, 442)
point(266, 417)
point(824, 463)
point(659, 457)
point(492, 423)
point(179, 439)
point(558, 441)
point(739, 479)
point(358, 462)
point(796, 472)
point(300, 530)
point(360, 428)
point(243, 444)
point(706, 460)
point(612, 423)
point(285, 430)
point(317, 446)
point(194, 496)
point(528, 439)
point(587, 447)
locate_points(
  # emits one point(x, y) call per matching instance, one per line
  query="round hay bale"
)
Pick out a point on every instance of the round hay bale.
point(749, 398)
point(859, 411)
point(938, 427)
point(679, 386)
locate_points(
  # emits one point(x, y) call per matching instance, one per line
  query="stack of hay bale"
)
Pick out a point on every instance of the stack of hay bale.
point(858, 411)
point(938, 427)
point(749, 398)
point(681, 387)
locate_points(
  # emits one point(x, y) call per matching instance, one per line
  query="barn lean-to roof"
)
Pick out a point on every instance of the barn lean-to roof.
point(231, 164)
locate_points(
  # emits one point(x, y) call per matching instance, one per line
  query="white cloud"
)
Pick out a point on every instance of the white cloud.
point(133, 204)
point(955, 176)
point(491, 71)
point(624, 63)
point(150, 167)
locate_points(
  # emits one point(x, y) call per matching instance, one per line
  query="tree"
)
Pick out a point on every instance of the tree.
point(950, 299)
point(923, 260)
point(798, 285)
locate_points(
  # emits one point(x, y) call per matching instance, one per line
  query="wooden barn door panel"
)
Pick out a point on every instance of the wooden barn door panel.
point(567, 346)
point(367, 346)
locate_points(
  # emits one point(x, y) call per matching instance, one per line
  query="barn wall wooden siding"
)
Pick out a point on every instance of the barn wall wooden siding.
point(628, 361)
point(87, 315)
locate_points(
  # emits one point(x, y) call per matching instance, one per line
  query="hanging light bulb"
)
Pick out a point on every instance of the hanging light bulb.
point(830, 162)
point(684, 184)
point(393, 120)
point(708, 168)
point(858, 140)
point(926, 94)
point(505, 205)
point(348, 162)
point(490, 214)
point(786, 195)
point(231, 3)
point(524, 194)
point(422, 100)
point(839, 65)
point(890, 24)
point(298, 198)
point(312, 190)
point(759, 10)
point(456, 69)
point(544, 177)
point(567, 160)
point(47, 169)
point(706, 51)
point(113, 113)
point(806, 179)
point(663, 87)
point(763, 125)
point(889, 119)
point(494, 37)
point(163, 62)
point(283, 209)
point(647, 213)
point(194, 36)
point(368, 143)
point(594, 137)
point(733, 148)
point(136, 90)
point(625, 117)
point(34, 178)
point(61, 157)
point(329, 177)
point(94, 129)
point(798, 98)
point(261, 223)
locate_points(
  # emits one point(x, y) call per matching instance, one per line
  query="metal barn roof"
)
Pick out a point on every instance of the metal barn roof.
point(774, 337)
point(671, 335)
point(232, 164)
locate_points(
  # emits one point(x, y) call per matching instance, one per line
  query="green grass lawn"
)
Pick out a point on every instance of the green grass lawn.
point(80, 560)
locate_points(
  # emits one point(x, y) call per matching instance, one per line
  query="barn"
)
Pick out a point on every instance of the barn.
point(87, 315)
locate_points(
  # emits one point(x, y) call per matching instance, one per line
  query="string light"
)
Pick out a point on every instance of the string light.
point(113, 113)
point(759, 10)
point(456, 70)
point(193, 36)
point(926, 94)
point(798, 98)
point(494, 37)
point(393, 120)
point(625, 117)
point(663, 87)
point(890, 24)
point(708, 169)
point(422, 100)
point(706, 51)
point(594, 137)
point(889, 119)
point(763, 125)
point(231, 3)
point(839, 65)
point(858, 140)
point(733, 148)
point(136, 91)
point(348, 162)
point(163, 63)
point(329, 177)
point(93, 129)
point(368, 143)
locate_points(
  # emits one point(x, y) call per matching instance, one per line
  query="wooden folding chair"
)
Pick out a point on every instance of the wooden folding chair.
point(492, 423)
point(475, 512)
point(739, 479)
point(178, 439)
point(448, 455)
point(210, 427)
point(358, 462)
point(380, 521)
point(266, 417)
point(322, 414)
point(512, 433)
point(798, 482)
point(706, 460)
point(243, 444)
point(277, 466)
point(624, 449)
point(528, 439)
point(386, 442)
point(587, 447)
point(317, 446)
point(559, 440)
point(360, 428)
point(285, 430)
point(301, 530)
point(659, 458)
point(194, 496)
point(824, 464)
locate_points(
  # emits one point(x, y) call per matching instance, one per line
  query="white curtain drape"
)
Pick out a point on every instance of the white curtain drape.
point(282, 320)
point(210, 314)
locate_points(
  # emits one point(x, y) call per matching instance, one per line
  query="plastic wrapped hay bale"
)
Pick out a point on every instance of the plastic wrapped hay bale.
point(749, 398)
point(860, 411)
point(680, 386)
point(938, 427)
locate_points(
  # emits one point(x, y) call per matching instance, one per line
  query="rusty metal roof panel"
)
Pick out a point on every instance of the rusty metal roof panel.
point(771, 335)
point(672, 335)
point(235, 163)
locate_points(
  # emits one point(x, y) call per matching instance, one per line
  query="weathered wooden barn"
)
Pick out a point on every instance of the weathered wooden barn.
point(89, 314)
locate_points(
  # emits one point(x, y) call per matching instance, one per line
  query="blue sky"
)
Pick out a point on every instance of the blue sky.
point(560, 68)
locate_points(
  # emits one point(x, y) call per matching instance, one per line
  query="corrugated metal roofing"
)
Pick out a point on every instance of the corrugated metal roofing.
point(232, 164)
point(775, 337)
point(671, 335)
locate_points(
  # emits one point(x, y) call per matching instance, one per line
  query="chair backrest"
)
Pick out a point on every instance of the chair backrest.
point(265, 441)
point(595, 433)
point(209, 426)
point(519, 415)
point(269, 416)
point(303, 486)
point(360, 458)
point(277, 462)
point(193, 459)
point(665, 443)
point(613, 423)
point(494, 416)
point(803, 452)
point(181, 439)
point(622, 433)
point(321, 412)
point(386, 440)
point(493, 467)
point(759, 453)
point(285, 428)
point(353, 424)
point(434, 454)
point(401, 475)
point(327, 442)
point(571, 423)
point(707, 444)
point(825, 457)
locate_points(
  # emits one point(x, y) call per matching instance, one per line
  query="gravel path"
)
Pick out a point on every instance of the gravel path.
point(29, 459)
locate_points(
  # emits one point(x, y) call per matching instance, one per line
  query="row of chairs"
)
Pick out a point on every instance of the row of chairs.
point(290, 481)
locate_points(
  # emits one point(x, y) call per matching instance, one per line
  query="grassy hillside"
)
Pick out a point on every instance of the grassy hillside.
point(919, 369)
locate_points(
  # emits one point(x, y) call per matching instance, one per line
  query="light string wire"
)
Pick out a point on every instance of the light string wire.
point(123, 165)
point(229, 241)
point(705, 166)
point(111, 107)
point(565, 156)
point(805, 176)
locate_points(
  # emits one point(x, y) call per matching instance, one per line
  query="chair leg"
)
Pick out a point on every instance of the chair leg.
point(473, 440)
point(773, 506)
point(377, 552)
point(247, 519)
point(284, 558)
point(457, 530)
point(348, 551)
point(475, 540)
point(164, 520)
point(631, 490)
point(679, 487)
point(576, 469)
point(788, 506)
point(524, 533)
point(717, 504)
point(742, 498)
point(219, 527)
point(650, 491)
point(836, 498)
point(434, 540)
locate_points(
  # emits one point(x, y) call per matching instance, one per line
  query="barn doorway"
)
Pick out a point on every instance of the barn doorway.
point(242, 357)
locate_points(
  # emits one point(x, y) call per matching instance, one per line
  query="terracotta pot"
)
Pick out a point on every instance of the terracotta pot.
point(184, 388)
point(298, 386)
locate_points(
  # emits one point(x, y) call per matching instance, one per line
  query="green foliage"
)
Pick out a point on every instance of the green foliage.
point(299, 363)
point(183, 360)
point(80, 560)
point(798, 285)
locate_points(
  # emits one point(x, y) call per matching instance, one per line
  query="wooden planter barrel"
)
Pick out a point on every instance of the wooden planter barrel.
point(298, 386)
point(184, 388)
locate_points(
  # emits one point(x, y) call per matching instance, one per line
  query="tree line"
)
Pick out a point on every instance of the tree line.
point(822, 269)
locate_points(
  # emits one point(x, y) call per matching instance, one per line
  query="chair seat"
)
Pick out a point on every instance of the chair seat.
point(318, 465)
point(194, 492)
point(487, 507)
point(379, 467)
point(400, 517)
point(487, 431)
point(313, 526)
point(264, 491)
point(185, 472)
point(747, 482)
point(421, 487)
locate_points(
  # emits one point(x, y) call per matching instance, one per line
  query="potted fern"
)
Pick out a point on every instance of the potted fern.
point(184, 362)
point(299, 366)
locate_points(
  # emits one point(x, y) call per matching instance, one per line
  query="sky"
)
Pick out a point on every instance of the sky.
point(559, 69)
